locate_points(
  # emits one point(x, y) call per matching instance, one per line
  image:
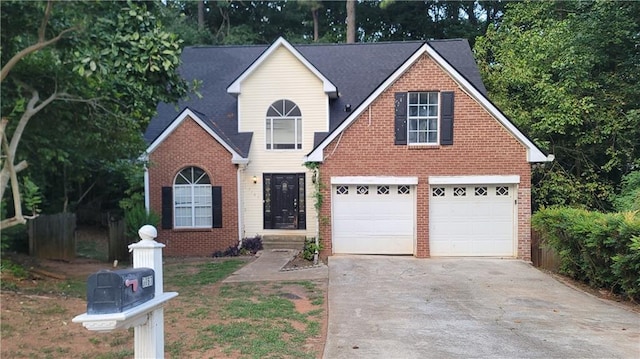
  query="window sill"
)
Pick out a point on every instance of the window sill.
point(284, 149)
point(419, 146)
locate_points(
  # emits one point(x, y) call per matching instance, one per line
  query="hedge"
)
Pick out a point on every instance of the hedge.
point(600, 249)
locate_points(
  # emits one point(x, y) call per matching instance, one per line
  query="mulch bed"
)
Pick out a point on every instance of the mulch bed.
point(298, 262)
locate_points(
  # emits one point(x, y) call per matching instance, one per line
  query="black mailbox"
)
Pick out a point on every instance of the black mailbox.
point(117, 291)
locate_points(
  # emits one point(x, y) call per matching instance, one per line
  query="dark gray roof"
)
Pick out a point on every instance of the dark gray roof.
point(357, 70)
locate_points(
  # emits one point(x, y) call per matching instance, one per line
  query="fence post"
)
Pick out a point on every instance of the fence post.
point(149, 337)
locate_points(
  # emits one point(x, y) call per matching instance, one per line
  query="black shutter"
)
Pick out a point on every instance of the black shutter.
point(216, 200)
point(167, 207)
point(401, 118)
point(446, 118)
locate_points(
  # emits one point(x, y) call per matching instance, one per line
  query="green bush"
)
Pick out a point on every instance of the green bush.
point(310, 248)
point(137, 216)
point(629, 197)
point(601, 249)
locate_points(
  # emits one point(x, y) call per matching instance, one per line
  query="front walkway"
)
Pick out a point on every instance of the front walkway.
point(267, 268)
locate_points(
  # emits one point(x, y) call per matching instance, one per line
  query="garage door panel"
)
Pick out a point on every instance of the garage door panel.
point(373, 228)
point(478, 221)
point(373, 244)
point(372, 223)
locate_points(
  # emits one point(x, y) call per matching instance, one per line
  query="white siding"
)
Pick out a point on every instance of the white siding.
point(281, 76)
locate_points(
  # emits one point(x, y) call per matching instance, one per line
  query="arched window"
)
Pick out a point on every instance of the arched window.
point(192, 199)
point(284, 126)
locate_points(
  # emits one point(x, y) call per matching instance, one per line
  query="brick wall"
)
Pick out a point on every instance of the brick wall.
point(481, 147)
point(190, 145)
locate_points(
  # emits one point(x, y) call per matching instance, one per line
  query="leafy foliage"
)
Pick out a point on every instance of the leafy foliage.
point(31, 195)
point(105, 76)
point(231, 251)
point(261, 22)
point(252, 244)
point(570, 83)
point(629, 197)
point(310, 248)
point(136, 217)
point(600, 249)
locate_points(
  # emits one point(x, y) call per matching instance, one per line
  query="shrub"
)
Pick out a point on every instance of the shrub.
point(310, 248)
point(137, 216)
point(629, 197)
point(601, 249)
point(252, 244)
point(249, 245)
point(232, 251)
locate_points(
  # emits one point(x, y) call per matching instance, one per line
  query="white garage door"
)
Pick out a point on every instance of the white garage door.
point(373, 219)
point(472, 220)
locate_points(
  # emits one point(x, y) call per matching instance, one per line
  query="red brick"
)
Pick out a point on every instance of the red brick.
point(481, 147)
point(190, 145)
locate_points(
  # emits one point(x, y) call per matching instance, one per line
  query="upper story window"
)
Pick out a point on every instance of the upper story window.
point(423, 117)
point(284, 126)
point(192, 199)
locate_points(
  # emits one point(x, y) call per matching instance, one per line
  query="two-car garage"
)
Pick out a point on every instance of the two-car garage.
point(467, 216)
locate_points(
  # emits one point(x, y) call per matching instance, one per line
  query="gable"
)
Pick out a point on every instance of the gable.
point(534, 154)
point(188, 114)
point(328, 87)
point(282, 77)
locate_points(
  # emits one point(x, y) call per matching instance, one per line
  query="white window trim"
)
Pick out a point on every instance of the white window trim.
point(410, 118)
point(192, 205)
point(269, 134)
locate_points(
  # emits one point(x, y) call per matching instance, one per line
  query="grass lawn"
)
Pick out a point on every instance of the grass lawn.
point(208, 319)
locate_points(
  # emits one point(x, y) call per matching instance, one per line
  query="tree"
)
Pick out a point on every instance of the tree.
point(568, 73)
point(314, 7)
point(351, 21)
point(94, 70)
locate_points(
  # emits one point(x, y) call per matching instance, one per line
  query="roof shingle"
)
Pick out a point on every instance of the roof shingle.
point(356, 69)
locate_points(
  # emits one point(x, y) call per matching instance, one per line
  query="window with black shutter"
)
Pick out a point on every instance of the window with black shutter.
point(424, 118)
point(192, 202)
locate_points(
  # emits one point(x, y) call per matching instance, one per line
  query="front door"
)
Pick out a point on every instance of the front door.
point(284, 201)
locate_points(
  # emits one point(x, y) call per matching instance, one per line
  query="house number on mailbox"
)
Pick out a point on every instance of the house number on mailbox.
point(147, 281)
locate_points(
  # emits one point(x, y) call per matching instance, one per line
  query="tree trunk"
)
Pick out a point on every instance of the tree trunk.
point(316, 35)
point(201, 15)
point(351, 21)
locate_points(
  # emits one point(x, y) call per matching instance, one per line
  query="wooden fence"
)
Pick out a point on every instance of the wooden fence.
point(53, 236)
point(118, 242)
point(541, 256)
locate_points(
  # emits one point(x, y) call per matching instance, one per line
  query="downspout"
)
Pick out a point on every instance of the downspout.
point(240, 204)
point(147, 205)
point(316, 254)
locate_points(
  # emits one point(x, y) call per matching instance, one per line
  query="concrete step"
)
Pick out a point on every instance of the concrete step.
point(283, 242)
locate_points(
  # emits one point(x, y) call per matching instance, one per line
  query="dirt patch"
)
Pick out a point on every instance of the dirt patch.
point(36, 322)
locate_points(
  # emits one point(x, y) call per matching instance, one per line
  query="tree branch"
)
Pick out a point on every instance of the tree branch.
point(17, 206)
point(31, 110)
point(42, 43)
point(45, 21)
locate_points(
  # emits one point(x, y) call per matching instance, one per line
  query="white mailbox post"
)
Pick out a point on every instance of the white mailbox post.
point(146, 318)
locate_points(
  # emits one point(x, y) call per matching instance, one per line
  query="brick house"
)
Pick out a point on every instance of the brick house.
point(407, 152)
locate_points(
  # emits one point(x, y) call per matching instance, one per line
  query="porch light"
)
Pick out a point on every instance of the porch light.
point(255, 179)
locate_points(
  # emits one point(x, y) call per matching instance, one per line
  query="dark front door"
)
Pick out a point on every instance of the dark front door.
point(284, 201)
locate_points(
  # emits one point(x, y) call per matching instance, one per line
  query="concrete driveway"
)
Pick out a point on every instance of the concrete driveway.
point(402, 307)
